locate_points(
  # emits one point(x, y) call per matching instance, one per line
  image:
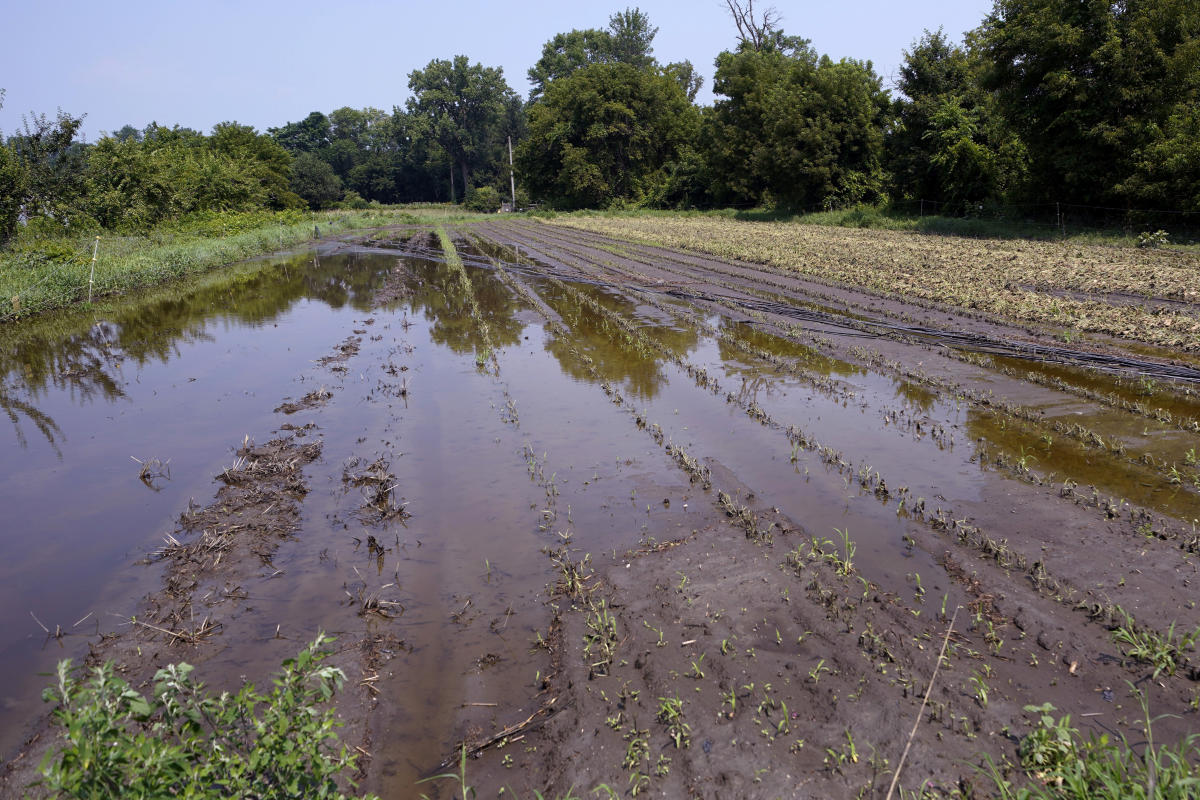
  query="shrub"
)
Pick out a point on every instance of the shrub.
point(485, 199)
point(182, 742)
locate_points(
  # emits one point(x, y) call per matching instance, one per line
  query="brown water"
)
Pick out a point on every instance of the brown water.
point(498, 466)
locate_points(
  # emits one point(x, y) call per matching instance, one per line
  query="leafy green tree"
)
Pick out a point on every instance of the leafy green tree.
point(468, 109)
point(52, 163)
point(627, 40)
point(315, 181)
point(795, 128)
point(306, 136)
point(947, 143)
point(1091, 87)
point(12, 187)
point(605, 133)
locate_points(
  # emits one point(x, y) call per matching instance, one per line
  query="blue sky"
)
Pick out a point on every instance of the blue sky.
point(266, 63)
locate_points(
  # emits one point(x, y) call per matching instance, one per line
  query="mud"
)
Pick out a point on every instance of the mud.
point(606, 515)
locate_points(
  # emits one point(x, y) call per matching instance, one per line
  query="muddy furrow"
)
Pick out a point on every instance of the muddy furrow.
point(633, 726)
point(1081, 528)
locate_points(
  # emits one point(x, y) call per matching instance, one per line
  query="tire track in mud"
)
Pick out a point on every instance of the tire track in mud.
point(984, 604)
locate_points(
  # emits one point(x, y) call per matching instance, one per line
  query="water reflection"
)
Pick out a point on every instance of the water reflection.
point(81, 353)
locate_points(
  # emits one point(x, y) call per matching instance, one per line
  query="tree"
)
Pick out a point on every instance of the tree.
point(1091, 87)
point(607, 132)
point(315, 181)
point(795, 128)
point(467, 110)
point(52, 163)
point(627, 40)
point(12, 187)
point(755, 32)
point(948, 143)
point(306, 136)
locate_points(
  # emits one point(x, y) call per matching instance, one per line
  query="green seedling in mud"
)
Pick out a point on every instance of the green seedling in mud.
point(845, 564)
point(661, 642)
point(726, 647)
point(670, 713)
point(459, 777)
point(981, 690)
point(601, 637)
point(1163, 651)
point(729, 699)
point(638, 748)
point(696, 672)
point(920, 590)
point(815, 672)
point(663, 767)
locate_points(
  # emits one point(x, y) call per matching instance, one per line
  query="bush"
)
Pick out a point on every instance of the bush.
point(182, 742)
point(484, 199)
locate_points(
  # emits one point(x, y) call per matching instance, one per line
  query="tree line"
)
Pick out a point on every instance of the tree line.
point(1091, 101)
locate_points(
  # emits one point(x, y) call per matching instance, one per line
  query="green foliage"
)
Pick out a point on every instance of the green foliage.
point(1064, 766)
point(12, 189)
point(608, 133)
point(1096, 90)
point(50, 166)
point(947, 144)
point(183, 742)
point(315, 181)
point(484, 199)
point(469, 110)
point(627, 40)
point(135, 183)
point(796, 129)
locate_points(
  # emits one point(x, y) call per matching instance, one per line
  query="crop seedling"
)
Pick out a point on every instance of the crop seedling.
point(670, 713)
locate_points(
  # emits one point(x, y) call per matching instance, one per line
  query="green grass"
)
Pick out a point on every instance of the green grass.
point(41, 274)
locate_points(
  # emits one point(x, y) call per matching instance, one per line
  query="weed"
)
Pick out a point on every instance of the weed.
point(1163, 651)
point(182, 741)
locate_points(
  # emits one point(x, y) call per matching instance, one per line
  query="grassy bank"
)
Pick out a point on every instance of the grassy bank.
point(40, 275)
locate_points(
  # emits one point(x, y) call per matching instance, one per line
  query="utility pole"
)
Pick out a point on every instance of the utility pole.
point(512, 176)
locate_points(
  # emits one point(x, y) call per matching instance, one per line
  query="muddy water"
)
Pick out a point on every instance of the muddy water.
point(502, 446)
point(180, 376)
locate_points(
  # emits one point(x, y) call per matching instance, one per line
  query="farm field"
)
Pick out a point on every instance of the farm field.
point(601, 503)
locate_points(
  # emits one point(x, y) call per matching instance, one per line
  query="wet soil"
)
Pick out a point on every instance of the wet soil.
point(611, 515)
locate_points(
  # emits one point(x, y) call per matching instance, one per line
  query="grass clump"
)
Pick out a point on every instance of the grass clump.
point(1061, 765)
point(185, 743)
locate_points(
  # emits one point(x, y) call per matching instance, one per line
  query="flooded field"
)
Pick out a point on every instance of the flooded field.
point(605, 513)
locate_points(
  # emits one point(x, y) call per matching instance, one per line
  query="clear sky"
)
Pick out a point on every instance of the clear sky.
point(267, 62)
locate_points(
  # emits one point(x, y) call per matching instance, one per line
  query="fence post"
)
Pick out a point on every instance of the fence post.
point(92, 276)
point(1062, 224)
